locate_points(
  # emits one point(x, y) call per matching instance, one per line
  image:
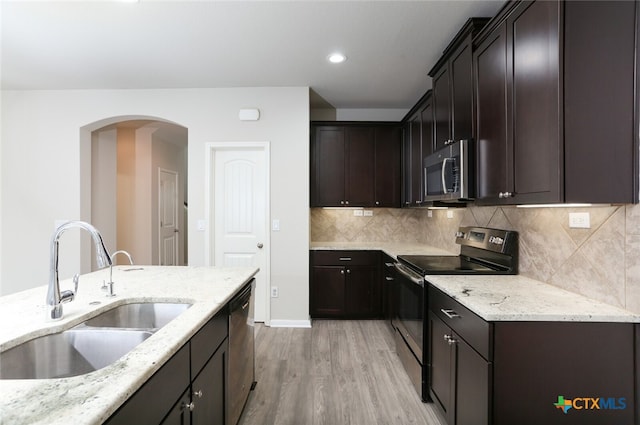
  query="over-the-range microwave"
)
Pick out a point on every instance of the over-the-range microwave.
point(448, 173)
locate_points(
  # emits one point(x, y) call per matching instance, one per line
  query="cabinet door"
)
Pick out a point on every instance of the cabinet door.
point(472, 385)
point(328, 167)
point(360, 163)
point(180, 414)
point(442, 107)
point(441, 356)
point(387, 166)
point(533, 37)
point(406, 165)
point(208, 391)
point(426, 133)
point(363, 292)
point(415, 127)
point(327, 291)
point(492, 149)
point(461, 76)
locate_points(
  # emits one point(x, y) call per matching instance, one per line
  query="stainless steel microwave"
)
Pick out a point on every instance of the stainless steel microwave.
point(448, 173)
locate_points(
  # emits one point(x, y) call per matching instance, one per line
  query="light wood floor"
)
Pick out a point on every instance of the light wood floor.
point(336, 373)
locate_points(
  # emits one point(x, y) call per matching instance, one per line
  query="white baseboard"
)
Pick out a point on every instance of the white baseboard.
point(290, 323)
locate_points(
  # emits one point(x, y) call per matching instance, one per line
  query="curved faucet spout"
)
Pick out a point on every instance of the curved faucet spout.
point(54, 297)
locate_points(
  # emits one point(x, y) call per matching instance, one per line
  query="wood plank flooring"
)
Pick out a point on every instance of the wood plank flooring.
point(336, 373)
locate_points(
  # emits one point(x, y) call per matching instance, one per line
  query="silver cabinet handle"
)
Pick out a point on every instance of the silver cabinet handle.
point(260, 245)
point(388, 278)
point(451, 314)
point(345, 258)
point(505, 195)
point(189, 406)
point(342, 271)
point(198, 393)
point(348, 271)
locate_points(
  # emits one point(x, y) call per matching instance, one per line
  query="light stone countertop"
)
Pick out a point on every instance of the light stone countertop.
point(93, 397)
point(391, 248)
point(505, 297)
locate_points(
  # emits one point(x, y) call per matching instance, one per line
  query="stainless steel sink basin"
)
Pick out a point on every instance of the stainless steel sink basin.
point(69, 353)
point(138, 316)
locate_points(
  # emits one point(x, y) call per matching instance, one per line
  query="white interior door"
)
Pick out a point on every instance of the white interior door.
point(240, 214)
point(168, 217)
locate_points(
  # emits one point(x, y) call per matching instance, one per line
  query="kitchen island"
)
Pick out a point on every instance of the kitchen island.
point(92, 398)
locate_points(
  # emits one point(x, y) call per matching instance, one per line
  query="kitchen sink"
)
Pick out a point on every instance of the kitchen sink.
point(69, 353)
point(149, 316)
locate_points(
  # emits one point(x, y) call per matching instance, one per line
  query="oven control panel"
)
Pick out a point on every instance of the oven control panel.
point(496, 240)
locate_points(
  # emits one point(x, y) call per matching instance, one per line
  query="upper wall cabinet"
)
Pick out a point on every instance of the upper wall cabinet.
point(556, 104)
point(355, 164)
point(418, 142)
point(453, 87)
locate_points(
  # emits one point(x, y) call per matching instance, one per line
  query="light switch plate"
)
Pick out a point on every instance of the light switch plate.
point(202, 224)
point(449, 214)
point(581, 220)
point(275, 225)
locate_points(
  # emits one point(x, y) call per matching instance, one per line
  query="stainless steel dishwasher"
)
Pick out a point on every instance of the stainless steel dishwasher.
point(241, 373)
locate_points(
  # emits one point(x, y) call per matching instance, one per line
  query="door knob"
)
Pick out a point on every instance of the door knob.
point(260, 245)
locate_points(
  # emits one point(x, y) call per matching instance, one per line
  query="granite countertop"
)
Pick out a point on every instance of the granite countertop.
point(518, 298)
point(502, 297)
point(93, 397)
point(391, 248)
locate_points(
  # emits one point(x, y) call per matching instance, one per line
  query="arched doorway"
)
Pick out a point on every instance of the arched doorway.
point(134, 188)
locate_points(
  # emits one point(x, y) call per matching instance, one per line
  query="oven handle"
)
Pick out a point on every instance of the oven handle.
point(409, 274)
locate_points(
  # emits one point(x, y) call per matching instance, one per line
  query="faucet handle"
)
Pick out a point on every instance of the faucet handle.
point(76, 279)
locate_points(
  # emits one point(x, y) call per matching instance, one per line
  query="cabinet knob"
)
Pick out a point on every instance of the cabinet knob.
point(189, 406)
point(342, 271)
point(341, 202)
point(377, 202)
point(348, 271)
point(346, 202)
point(505, 195)
point(197, 393)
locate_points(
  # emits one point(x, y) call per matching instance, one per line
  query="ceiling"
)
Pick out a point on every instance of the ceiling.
point(390, 45)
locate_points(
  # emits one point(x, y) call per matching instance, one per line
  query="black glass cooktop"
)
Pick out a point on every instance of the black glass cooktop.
point(446, 264)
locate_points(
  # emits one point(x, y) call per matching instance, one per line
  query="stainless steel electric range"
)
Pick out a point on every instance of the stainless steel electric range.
point(483, 251)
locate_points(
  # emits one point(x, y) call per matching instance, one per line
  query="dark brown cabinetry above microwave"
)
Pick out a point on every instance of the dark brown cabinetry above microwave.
point(452, 82)
point(556, 103)
point(418, 142)
point(355, 164)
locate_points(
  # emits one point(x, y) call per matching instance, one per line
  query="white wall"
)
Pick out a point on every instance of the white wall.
point(45, 133)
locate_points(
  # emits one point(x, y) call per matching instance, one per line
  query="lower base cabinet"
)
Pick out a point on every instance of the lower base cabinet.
point(189, 388)
point(530, 373)
point(345, 284)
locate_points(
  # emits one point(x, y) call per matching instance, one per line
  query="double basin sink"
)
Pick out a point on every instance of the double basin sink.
point(89, 346)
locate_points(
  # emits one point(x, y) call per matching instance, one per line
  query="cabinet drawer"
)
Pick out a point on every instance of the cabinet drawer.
point(346, 258)
point(207, 340)
point(475, 330)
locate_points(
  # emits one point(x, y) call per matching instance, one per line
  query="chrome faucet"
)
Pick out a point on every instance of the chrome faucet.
point(54, 297)
point(109, 286)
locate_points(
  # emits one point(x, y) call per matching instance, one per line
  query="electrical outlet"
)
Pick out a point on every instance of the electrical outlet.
point(274, 292)
point(429, 213)
point(357, 213)
point(449, 214)
point(580, 220)
point(368, 213)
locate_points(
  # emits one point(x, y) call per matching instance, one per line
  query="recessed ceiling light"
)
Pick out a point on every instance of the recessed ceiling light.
point(336, 58)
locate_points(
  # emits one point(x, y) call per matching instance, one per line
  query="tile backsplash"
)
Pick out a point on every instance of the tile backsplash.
point(602, 262)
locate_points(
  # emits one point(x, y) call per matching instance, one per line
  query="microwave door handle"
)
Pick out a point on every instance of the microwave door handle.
point(444, 179)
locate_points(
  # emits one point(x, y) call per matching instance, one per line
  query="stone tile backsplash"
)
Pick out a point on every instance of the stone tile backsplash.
point(602, 262)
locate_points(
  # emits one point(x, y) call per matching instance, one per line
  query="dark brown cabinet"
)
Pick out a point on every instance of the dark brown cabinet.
point(418, 142)
point(554, 105)
point(452, 82)
point(505, 373)
point(345, 284)
point(189, 388)
point(460, 375)
point(355, 164)
point(388, 289)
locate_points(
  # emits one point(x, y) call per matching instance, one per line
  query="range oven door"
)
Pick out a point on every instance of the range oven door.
point(409, 308)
